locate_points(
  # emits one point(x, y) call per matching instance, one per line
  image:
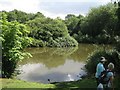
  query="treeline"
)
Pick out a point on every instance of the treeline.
point(99, 26)
point(43, 31)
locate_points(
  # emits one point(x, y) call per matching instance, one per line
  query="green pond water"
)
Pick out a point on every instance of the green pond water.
point(56, 64)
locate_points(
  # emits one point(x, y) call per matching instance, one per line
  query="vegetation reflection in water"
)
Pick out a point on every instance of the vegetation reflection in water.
point(56, 64)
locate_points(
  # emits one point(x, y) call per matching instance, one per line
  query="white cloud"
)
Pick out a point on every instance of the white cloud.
point(52, 15)
point(33, 6)
point(23, 5)
point(62, 16)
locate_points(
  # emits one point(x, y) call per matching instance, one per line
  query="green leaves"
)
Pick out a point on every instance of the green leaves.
point(98, 26)
point(14, 40)
point(73, 23)
point(49, 32)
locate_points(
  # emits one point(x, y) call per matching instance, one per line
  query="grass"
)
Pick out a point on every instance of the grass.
point(13, 83)
point(83, 84)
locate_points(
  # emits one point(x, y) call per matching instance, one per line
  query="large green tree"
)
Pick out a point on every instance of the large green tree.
point(99, 25)
point(51, 32)
point(73, 23)
point(20, 16)
point(14, 40)
point(98, 19)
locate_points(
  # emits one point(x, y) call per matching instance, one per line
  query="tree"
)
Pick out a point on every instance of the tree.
point(96, 20)
point(73, 23)
point(21, 17)
point(118, 16)
point(99, 24)
point(52, 32)
point(14, 40)
point(117, 37)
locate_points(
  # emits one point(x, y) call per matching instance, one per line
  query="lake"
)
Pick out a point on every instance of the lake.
point(49, 65)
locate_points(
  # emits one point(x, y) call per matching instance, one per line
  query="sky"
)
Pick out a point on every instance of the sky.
point(52, 8)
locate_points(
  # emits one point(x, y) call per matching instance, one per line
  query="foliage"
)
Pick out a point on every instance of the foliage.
point(36, 43)
point(117, 38)
point(96, 20)
point(118, 16)
point(52, 33)
point(83, 38)
point(14, 40)
point(117, 45)
point(73, 23)
point(20, 16)
point(111, 56)
point(99, 26)
point(43, 31)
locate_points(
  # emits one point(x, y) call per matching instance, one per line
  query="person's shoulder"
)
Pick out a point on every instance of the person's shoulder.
point(100, 64)
point(110, 73)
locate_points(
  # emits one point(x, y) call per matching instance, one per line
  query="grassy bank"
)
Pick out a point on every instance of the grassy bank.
point(13, 83)
point(85, 83)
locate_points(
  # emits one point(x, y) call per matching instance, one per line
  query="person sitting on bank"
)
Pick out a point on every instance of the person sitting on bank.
point(100, 68)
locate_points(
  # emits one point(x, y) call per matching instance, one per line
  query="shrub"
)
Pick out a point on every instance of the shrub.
point(14, 40)
point(36, 43)
point(111, 56)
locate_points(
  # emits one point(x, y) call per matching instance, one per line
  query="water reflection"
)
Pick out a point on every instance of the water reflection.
point(51, 57)
point(56, 64)
point(69, 71)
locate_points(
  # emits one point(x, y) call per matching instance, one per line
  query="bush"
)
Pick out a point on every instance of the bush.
point(36, 43)
point(117, 39)
point(14, 40)
point(111, 56)
point(63, 42)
